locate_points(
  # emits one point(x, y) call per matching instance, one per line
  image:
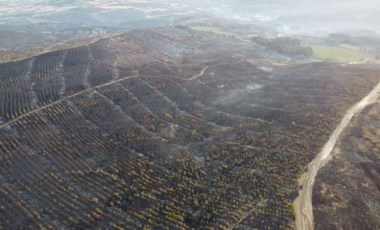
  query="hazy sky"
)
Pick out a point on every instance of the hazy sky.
point(284, 5)
point(294, 14)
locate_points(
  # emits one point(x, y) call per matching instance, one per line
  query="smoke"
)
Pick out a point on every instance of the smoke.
point(294, 15)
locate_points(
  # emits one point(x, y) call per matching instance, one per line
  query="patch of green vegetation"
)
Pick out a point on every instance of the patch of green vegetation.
point(339, 54)
point(211, 29)
point(291, 209)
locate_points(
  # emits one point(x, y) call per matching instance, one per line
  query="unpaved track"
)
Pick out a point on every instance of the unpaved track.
point(245, 216)
point(61, 100)
point(303, 204)
point(82, 92)
point(198, 75)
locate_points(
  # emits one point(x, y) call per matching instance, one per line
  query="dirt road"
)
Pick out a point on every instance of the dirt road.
point(303, 204)
point(61, 100)
point(82, 92)
point(246, 215)
point(198, 75)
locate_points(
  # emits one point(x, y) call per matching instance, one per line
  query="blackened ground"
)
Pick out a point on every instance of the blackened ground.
point(347, 190)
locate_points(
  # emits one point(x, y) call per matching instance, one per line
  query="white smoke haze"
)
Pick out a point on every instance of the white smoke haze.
point(293, 16)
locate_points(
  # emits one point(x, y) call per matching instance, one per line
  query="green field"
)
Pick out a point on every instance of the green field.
point(210, 29)
point(339, 54)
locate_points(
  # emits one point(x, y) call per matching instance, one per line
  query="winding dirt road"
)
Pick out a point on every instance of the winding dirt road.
point(82, 92)
point(247, 214)
point(198, 75)
point(303, 204)
point(62, 99)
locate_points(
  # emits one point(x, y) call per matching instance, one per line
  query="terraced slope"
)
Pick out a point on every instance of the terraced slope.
point(135, 132)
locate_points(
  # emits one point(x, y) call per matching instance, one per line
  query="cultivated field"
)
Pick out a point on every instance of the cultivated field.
point(339, 54)
point(125, 134)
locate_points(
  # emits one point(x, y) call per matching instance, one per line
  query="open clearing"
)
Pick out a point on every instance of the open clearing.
point(211, 29)
point(339, 54)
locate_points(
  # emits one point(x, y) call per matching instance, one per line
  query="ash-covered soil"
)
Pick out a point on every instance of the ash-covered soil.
point(165, 129)
point(347, 189)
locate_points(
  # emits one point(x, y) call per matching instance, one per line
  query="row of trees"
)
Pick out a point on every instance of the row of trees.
point(161, 152)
